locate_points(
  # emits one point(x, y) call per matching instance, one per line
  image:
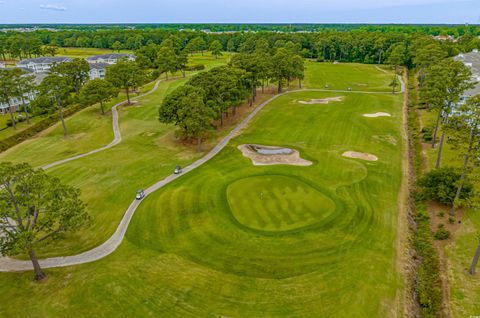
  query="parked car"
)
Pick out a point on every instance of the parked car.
point(177, 170)
point(140, 194)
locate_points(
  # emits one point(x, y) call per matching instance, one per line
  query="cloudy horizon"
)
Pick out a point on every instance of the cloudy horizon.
point(246, 11)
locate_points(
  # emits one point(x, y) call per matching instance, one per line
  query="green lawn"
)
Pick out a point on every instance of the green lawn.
point(76, 52)
point(6, 131)
point(359, 77)
point(319, 241)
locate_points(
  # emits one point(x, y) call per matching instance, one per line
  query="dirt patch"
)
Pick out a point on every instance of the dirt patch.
point(322, 100)
point(379, 114)
point(259, 159)
point(360, 155)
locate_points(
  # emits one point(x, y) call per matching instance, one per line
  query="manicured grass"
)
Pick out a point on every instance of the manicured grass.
point(77, 52)
point(6, 131)
point(359, 77)
point(187, 255)
point(277, 203)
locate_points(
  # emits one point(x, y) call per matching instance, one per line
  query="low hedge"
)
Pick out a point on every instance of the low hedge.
point(37, 127)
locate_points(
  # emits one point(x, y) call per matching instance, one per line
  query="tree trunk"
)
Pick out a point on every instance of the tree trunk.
point(60, 111)
point(300, 83)
point(102, 108)
point(166, 76)
point(128, 96)
point(12, 118)
point(464, 171)
point(199, 144)
point(39, 275)
point(221, 119)
point(183, 73)
point(25, 109)
point(279, 87)
point(440, 148)
point(475, 261)
point(394, 80)
point(434, 141)
point(460, 186)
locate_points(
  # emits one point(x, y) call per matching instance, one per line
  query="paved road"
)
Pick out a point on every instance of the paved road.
point(116, 132)
point(108, 247)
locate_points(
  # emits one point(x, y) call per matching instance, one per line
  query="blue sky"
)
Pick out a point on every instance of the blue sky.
point(236, 11)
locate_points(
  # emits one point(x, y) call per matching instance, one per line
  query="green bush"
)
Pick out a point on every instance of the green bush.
point(195, 67)
point(441, 233)
point(441, 185)
point(428, 284)
point(441, 214)
point(37, 127)
point(451, 220)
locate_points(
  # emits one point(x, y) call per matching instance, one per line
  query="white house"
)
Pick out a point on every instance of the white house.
point(109, 58)
point(15, 104)
point(42, 64)
point(3, 64)
point(98, 70)
point(472, 61)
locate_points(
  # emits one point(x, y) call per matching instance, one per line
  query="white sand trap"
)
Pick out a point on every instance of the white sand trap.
point(273, 156)
point(322, 100)
point(359, 155)
point(380, 114)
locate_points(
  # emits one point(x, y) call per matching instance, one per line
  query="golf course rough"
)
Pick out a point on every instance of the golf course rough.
point(205, 245)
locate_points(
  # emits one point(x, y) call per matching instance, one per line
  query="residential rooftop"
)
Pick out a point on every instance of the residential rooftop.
point(45, 60)
point(472, 60)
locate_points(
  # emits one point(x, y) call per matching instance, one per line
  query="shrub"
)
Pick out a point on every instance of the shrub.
point(428, 285)
point(195, 67)
point(441, 214)
point(451, 220)
point(427, 137)
point(441, 233)
point(441, 185)
point(36, 128)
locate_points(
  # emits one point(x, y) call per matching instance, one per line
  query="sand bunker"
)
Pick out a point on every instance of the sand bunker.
point(360, 155)
point(322, 100)
point(380, 114)
point(267, 155)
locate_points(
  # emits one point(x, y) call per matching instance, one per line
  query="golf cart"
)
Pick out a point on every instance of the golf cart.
point(177, 170)
point(140, 194)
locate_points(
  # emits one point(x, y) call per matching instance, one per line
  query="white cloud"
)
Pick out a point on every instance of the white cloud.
point(53, 7)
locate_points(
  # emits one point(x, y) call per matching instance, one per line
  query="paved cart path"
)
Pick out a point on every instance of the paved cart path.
point(116, 132)
point(11, 265)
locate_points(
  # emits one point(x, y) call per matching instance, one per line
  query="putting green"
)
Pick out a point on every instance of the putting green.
point(277, 203)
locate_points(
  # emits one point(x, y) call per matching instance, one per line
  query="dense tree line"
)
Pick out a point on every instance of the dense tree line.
point(456, 30)
point(364, 45)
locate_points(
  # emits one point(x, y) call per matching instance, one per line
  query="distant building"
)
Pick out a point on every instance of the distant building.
point(3, 64)
point(109, 58)
point(472, 61)
point(15, 104)
point(444, 38)
point(42, 64)
point(98, 70)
